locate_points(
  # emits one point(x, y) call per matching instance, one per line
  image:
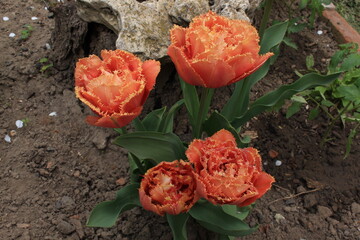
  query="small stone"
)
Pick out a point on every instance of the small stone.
point(12, 35)
point(76, 173)
point(34, 18)
point(19, 123)
point(6, 19)
point(65, 227)
point(100, 139)
point(319, 32)
point(273, 153)
point(324, 212)
point(310, 200)
point(278, 217)
point(47, 45)
point(355, 208)
point(53, 114)
point(300, 189)
point(121, 181)
point(278, 163)
point(23, 225)
point(78, 227)
point(7, 138)
point(43, 172)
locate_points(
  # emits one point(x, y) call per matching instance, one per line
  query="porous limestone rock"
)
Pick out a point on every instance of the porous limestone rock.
point(143, 26)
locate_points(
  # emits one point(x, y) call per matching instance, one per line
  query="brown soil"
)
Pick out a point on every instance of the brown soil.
point(57, 168)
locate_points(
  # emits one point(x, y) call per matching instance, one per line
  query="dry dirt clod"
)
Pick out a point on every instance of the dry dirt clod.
point(65, 227)
point(355, 208)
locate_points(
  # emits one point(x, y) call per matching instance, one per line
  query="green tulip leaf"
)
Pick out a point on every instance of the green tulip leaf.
point(105, 214)
point(238, 212)
point(153, 145)
point(178, 225)
point(152, 121)
point(273, 36)
point(215, 219)
point(271, 99)
point(167, 122)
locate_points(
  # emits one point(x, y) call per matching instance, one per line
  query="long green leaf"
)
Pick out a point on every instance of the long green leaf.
point(105, 214)
point(284, 92)
point(239, 100)
point(153, 145)
point(178, 225)
point(273, 36)
point(235, 211)
point(152, 121)
point(215, 219)
point(167, 124)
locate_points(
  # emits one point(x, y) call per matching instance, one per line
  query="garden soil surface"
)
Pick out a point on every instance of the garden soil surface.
point(57, 168)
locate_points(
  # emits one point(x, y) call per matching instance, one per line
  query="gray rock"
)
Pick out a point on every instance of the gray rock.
point(143, 27)
point(65, 227)
point(100, 138)
point(355, 208)
point(324, 212)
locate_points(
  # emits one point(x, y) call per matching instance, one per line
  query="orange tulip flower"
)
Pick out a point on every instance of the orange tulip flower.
point(116, 87)
point(215, 51)
point(169, 187)
point(226, 174)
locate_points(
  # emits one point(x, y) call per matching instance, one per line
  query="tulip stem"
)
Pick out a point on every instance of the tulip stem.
point(265, 17)
point(138, 163)
point(205, 101)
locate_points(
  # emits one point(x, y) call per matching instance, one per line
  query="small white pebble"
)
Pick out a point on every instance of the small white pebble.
point(296, 24)
point(19, 123)
point(319, 32)
point(34, 18)
point(12, 35)
point(278, 217)
point(265, 163)
point(7, 138)
point(47, 45)
point(278, 163)
point(6, 19)
point(53, 114)
point(45, 8)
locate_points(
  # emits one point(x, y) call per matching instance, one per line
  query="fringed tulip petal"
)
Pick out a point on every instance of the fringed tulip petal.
point(116, 87)
point(262, 184)
point(183, 66)
point(151, 69)
point(226, 174)
point(169, 187)
point(216, 72)
point(215, 51)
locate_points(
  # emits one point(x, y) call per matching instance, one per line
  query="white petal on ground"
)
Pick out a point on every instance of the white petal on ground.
point(19, 123)
point(53, 114)
point(6, 19)
point(7, 138)
point(47, 45)
point(12, 35)
point(34, 18)
point(278, 163)
point(319, 32)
